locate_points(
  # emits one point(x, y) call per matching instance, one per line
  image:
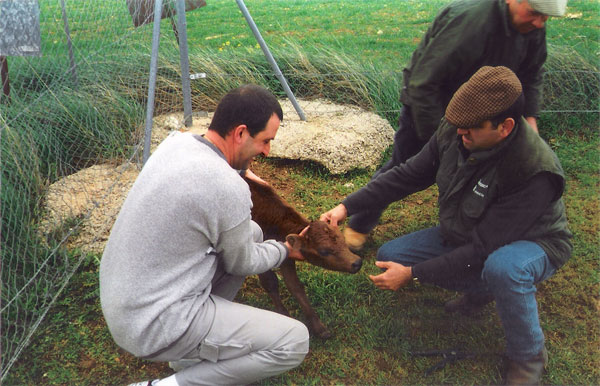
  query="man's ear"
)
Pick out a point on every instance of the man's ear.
point(507, 127)
point(238, 133)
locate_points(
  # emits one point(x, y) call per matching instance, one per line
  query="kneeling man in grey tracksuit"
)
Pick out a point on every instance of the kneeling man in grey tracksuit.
point(181, 247)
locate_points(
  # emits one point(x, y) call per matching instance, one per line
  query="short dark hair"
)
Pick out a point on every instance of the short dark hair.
point(249, 105)
point(515, 111)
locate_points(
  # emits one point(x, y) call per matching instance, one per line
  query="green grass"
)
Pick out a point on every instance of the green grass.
point(347, 51)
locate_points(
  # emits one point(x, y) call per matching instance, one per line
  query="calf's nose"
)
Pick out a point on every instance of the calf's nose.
point(356, 266)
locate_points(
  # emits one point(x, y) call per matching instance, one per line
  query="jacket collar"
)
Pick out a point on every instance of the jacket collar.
point(506, 23)
point(210, 144)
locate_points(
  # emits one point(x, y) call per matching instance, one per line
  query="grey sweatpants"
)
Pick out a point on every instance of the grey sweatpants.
point(243, 345)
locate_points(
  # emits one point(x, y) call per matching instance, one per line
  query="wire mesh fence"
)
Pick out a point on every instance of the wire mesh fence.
point(54, 122)
point(72, 110)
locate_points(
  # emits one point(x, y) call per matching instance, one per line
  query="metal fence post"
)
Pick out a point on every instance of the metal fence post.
point(73, 68)
point(152, 79)
point(184, 61)
point(270, 59)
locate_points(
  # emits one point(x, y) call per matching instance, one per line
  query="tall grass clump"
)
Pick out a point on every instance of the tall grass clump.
point(62, 132)
point(319, 73)
point(22, 251)
point(327, 73)
point(22, 183)
point(571, 82)
point(46, 133)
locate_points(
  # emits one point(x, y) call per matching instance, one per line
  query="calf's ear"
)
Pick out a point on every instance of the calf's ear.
point(295, 241)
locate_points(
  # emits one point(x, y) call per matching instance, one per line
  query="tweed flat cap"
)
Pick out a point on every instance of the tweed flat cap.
point(490, 91)
point(549, 7)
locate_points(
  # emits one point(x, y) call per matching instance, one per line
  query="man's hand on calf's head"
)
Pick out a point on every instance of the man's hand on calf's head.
point(335, 215)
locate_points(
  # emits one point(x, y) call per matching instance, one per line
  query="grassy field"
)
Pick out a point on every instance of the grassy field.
point(374, 331)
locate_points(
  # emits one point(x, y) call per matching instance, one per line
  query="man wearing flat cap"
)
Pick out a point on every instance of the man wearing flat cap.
point(502, 223)
point(465, 35)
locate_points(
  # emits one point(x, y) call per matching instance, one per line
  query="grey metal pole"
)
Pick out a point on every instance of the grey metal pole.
point(184, 61)
point(152, 79)
point(270, 59)
point(73, 68)
point(5, 81)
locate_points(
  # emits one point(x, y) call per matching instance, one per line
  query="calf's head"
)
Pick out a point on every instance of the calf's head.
point(324, 245)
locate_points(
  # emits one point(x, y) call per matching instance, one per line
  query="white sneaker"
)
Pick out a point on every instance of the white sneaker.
point(145, 383)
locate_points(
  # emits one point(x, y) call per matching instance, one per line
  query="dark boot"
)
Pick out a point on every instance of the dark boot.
point(468, 304)
point(527, 372)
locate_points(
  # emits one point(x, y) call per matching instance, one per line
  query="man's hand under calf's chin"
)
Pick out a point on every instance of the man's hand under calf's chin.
point(395, 276)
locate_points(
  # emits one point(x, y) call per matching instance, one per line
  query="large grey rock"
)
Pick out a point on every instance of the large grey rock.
point(339, 137)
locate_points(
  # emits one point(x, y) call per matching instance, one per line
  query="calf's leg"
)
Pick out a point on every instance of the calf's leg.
point(296, 288)
point(269, 282)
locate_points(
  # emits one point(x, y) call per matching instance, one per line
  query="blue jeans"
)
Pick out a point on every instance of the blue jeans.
point(509, 274)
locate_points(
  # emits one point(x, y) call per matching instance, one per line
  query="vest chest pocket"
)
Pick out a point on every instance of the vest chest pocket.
point(475, 200)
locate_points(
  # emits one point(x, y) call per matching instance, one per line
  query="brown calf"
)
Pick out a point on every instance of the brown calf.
point(322, 245)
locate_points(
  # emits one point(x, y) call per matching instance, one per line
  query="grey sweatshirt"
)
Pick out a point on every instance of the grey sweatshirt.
point(187, 211)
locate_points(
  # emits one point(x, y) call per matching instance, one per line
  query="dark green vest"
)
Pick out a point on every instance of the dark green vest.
point(470, 183)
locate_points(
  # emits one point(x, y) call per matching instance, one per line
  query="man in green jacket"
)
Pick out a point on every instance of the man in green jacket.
point(503, 226)
point(465, 35)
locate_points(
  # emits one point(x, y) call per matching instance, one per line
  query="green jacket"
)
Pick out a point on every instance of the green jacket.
point(466, 35)
point(487, 199)
point(468, 186)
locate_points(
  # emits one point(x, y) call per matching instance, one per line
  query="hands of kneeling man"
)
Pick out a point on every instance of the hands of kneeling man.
point(395, 276)
point(335, 216)
point(294, 250)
